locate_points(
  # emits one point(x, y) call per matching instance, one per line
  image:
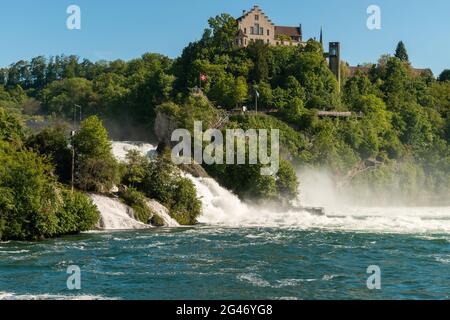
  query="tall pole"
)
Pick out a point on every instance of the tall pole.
point(72, 138)
point(74, 118)
point(73, 161)
point(256, 101)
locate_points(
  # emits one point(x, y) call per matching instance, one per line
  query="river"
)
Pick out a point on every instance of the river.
point(241, 252)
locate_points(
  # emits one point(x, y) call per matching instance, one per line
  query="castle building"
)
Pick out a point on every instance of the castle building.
point(255, 25)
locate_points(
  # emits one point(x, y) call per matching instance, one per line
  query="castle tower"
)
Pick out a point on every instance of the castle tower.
point(334, 56)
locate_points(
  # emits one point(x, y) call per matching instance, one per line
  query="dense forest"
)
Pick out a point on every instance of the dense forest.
point(400, 144)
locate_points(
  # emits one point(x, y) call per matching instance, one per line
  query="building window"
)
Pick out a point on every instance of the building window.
point(256, 28)
point(245, 41)
point(245, 30)
point(257, 17)
point(252, 30)
point(268, 41)
point(268, 32)
point(261, 31)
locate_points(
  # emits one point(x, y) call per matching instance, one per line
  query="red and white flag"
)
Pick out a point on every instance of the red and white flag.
point(203, 77)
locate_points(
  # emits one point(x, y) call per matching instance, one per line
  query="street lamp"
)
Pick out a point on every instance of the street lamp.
point(72, 134)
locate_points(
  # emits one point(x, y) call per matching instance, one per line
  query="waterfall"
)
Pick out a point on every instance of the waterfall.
point(114, 215)
point(218, 204)
point(121, 148)
point(223, 208)
point(163, 213)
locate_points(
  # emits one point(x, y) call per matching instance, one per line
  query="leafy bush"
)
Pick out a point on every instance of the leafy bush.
point(10, 127)
point(33, 205)
point(53, 143)
point(78, 213)
point(98, 170)
point(160, 179)
point(136, 200)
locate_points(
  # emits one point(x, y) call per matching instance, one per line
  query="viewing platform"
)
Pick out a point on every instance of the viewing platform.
point(337, 114)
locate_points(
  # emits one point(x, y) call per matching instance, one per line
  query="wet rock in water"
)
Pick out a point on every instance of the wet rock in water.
point(161, 216)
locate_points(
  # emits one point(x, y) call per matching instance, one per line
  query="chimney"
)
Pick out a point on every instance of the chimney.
point(243, 12)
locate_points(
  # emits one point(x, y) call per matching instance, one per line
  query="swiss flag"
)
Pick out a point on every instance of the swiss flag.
point(203, 77)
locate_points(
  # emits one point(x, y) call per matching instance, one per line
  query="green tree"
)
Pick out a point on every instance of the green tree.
point(53, 143)
point(92, 140)
point(445, 75)
point(240, 90)
point(162, 181)
point(11, 128)
point(401, 53)
point(223, 29)
point(135, 169)
point(259, 52)
point(98, 169)
point(60, 97)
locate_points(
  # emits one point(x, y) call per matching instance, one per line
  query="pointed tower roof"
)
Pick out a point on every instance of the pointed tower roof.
point(321, 36)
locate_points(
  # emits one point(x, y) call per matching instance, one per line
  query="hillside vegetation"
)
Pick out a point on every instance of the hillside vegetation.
point(399, 145)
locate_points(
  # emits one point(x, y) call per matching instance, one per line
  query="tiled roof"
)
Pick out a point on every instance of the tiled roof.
point(287, 31)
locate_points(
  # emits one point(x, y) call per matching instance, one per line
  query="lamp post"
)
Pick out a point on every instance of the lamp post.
point(72, 134)
point(256, 99)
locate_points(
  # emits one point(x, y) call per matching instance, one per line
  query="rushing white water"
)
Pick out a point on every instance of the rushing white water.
point(114, 215)
point(221, 207)
point(163, 213)
point(121, 148)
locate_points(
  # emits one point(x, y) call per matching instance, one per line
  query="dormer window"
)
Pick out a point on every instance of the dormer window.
point(256, 17)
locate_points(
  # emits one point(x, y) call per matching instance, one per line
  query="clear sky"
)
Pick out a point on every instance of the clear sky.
point(126, 29)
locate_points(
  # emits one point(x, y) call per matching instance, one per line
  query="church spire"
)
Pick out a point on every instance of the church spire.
point(321, 37)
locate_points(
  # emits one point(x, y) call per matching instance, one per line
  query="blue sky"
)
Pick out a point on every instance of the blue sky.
point(114, 29)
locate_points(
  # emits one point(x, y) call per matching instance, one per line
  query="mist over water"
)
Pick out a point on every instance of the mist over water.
point(222, 208)
point(120, 149)
point(241, 251)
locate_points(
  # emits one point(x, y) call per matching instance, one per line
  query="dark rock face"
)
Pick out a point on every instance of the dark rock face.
point(164, 126)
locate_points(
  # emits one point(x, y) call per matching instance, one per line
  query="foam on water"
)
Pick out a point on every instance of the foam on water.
point(13, 296)
point(163, 213)
point(114, 215)
point(221, 207)
point(121, 148)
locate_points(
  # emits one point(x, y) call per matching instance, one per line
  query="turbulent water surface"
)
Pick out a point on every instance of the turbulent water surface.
point(207, 262)
point(239, 252)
